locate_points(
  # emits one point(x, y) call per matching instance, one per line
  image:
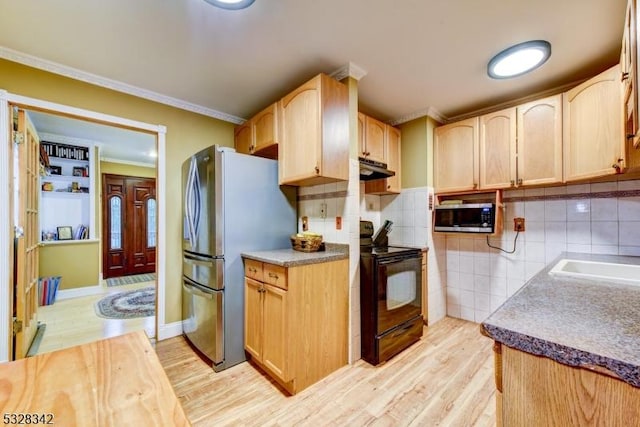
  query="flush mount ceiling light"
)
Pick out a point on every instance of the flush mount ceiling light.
point(519, 59)
point(231, 4)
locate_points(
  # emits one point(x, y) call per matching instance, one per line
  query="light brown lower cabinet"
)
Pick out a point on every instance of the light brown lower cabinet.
point(537, 391)
point(296, 320)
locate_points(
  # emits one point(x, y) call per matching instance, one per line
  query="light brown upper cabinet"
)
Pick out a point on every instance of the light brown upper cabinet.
point(498, 149)
point(628, 64)
point(314, 136)
point(373, 145)
point(243, 138)
point(594, 144)
point(392, 185)
point(539, 130)
point(456, 156)
point(522, 145)
point(259, 135)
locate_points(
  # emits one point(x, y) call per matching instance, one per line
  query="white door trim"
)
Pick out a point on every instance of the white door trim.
point(5, 239)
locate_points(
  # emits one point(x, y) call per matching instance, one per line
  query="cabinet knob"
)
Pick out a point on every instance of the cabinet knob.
point(273, 275)
point(317, 169)
point(631, 135)
point(519, 181)
point(388, 187)
point(475, 185)
point(513, 183)
point(625, 76)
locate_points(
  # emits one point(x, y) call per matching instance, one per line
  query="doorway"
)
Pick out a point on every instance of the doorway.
point(128, 225)
point(6, 214)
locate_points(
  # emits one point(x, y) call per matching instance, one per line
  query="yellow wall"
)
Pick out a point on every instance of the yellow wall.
point(129, 170)
point(186, 133)
point(77, 263)
point(417, 152)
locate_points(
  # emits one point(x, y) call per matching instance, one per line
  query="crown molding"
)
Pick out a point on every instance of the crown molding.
point(516, 102)
point(128, 162)
point(430, 111)
point(63, 70)
point(349, 70)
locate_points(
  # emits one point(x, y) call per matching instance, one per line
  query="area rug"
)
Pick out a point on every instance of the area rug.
point(128, 305)
point(128, 280)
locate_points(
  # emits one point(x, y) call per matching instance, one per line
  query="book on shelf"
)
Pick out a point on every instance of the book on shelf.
point(81, 232)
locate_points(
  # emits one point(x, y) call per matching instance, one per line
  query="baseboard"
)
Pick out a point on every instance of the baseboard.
point(169, 331)
point(78, 292)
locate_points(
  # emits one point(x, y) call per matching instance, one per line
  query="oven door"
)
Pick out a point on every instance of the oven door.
point(399, 285)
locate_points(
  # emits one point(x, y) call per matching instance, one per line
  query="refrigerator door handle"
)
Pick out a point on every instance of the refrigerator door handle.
point(196, 191)
point(189, 201)
point(195, 289)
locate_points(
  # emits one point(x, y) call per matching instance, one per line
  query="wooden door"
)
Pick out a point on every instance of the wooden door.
point(301, 143)
point(540, 142)
point(456, 156)
point(129, 225)
point(275, 338)
point(26, 243)
point(253, 318)
point(498, 149)
point(593, 140)
point(374, 140)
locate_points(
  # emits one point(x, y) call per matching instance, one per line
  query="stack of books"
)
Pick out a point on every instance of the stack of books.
point(82, 232)
point(47, 289)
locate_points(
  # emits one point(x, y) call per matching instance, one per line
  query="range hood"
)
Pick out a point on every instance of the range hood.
point(370, 170)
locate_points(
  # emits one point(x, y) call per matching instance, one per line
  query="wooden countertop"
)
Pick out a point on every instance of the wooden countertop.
point(113, 382)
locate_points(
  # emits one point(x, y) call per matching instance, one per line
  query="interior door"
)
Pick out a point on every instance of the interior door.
point(129, 225)
point(26, 243)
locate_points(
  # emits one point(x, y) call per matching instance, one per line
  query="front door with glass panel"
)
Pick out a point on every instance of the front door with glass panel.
point(129, 225)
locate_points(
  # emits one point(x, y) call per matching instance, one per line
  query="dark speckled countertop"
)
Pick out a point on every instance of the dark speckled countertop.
point(587, 323)
point(291, 258)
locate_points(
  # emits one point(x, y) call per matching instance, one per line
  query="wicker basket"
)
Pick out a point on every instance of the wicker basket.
point(306, 243)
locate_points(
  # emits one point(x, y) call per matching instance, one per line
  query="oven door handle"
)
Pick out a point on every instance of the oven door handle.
point(399, 258)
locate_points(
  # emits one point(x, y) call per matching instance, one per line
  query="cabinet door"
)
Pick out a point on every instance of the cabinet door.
point(593, 128)
point(628, 63)
point(540, 142)
point(374, 140)
point(243, 138)
point(498, 149)
point(301, 134)
point(456, 156)
point(275, 344)
point(265, 130)
point(361, 145)
point(253, 316)
point(393, 159)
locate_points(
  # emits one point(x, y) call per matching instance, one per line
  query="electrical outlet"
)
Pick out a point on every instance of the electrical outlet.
point(338, 223)
point(518, 224)
point(305, 223)
point(323, 210)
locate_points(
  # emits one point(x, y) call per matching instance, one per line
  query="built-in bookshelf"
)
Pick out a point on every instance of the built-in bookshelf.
point(66, 176)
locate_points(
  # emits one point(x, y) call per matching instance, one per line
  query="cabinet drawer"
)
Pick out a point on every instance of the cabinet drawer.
point(253, 269)
point(275, 275)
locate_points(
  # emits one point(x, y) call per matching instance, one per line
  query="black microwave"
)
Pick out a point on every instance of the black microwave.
point(465, 218)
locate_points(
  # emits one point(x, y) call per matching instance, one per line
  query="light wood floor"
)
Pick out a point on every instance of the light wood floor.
point(445, 379)
point(74, 321)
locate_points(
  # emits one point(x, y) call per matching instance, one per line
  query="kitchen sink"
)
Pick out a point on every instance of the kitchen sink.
point(626, 273)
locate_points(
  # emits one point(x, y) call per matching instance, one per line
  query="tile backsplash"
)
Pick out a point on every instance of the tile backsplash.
point(601, 218)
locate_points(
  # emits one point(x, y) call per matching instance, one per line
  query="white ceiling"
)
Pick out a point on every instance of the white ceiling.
point(418, 54)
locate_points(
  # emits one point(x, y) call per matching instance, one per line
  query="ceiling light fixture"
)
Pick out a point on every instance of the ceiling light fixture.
point(231, 4)
point(519, 59)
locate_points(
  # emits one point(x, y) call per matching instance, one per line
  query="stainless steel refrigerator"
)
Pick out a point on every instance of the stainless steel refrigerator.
point(231, 203)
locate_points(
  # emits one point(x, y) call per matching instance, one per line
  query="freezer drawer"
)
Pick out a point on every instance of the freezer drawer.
point(203, 319)
point(203, 270)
